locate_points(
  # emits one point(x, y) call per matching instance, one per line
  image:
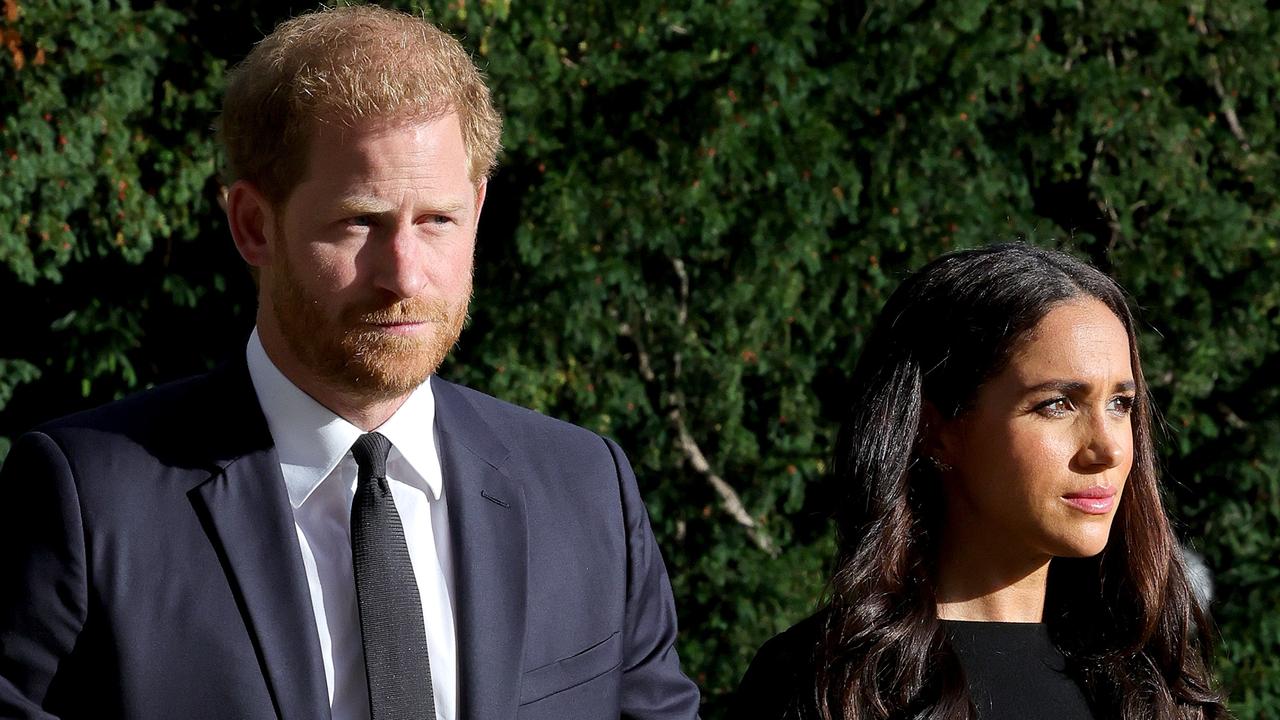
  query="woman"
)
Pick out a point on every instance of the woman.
point(1003, 551)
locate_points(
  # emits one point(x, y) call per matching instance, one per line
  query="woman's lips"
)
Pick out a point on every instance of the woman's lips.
point(1095, 500)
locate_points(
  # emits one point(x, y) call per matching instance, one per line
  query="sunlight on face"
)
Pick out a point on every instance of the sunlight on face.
point(371, 272)
point(1042, 458)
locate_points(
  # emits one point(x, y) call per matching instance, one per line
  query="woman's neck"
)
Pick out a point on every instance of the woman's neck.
point(979, 579)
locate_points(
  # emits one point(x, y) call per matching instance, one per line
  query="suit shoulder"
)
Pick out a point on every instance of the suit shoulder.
point(199, 421)
point(506, 415)
point(154, 405)
point(555, 459)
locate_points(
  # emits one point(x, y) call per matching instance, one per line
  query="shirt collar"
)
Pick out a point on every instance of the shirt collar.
point(311, 440)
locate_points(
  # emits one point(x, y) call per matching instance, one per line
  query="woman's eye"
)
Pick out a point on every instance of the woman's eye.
point(1121, 404)
point(1057, 407)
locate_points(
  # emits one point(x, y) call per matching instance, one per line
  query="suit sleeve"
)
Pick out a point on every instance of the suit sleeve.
point(653, 687)
point(43, 595)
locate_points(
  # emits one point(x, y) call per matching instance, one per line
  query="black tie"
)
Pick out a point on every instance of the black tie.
point(396, 663)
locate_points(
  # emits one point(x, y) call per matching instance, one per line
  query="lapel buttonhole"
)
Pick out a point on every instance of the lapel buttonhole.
point(496, 501)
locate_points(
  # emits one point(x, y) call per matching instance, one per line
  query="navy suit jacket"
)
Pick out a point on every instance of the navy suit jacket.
point(149, 567)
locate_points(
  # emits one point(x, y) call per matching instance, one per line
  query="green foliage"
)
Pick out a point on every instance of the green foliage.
point(698, 213)
point(106, 168)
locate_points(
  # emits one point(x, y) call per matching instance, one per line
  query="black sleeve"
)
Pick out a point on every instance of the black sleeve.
point(779, 683)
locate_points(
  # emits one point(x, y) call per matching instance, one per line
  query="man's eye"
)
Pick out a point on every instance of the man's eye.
point(360, 221)
point(439, 219)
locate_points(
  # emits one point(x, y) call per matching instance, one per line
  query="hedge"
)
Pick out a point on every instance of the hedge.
point(698, 212)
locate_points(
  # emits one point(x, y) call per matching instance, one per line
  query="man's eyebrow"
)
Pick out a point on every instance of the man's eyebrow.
point(1070, 387)
point(448, 206)
point(363, 205)
point(369, 205)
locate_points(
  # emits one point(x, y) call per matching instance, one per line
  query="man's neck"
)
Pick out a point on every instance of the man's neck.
point(363, 413)
point(359, 409)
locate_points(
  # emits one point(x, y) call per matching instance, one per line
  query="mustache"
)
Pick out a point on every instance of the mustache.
point(411, 310)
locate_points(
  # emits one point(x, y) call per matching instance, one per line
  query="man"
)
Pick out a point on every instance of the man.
point(322, 528)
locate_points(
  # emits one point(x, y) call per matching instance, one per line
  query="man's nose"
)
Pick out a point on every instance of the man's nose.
point(400, 267)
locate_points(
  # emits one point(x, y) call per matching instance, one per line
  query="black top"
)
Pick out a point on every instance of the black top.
point(1013, 671)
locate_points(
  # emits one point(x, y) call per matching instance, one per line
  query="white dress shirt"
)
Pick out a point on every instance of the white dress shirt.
point(314, 446)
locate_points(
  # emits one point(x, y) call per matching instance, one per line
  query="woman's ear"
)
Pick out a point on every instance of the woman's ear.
point(939, 441)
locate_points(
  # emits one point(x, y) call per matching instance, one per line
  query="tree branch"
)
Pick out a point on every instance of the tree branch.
point(1215, 78)
point(729, 498)
point(730, 501)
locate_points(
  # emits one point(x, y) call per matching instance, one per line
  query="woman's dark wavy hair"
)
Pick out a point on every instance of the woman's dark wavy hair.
point(1127, 621)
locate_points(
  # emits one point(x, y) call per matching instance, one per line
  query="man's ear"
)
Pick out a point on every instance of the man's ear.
point(252, 222)
point(482, 188)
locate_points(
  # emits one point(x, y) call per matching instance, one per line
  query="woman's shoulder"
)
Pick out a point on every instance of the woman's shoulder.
point(794, 645)
point(779, 683)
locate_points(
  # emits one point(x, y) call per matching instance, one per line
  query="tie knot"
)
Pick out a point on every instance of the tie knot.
point(370, 451)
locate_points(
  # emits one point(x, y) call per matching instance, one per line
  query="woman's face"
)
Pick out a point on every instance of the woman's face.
point(1040, 461)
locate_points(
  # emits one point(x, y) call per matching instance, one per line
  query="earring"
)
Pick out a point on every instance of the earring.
point(939, 465)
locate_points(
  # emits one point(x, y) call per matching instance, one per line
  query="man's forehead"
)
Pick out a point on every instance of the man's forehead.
point(331, 146)
point(342, 128)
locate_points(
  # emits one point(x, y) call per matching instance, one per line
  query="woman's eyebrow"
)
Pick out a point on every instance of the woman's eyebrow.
point(1066, 387)
point(1073, 387)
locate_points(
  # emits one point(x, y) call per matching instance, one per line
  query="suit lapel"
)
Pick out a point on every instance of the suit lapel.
point(246, 511)
point(487, 527)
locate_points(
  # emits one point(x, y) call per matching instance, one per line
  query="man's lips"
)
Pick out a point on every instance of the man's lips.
point(1096, 500)
point(400, 327)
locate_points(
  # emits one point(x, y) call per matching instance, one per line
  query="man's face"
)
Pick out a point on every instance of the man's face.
point(369, 271)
